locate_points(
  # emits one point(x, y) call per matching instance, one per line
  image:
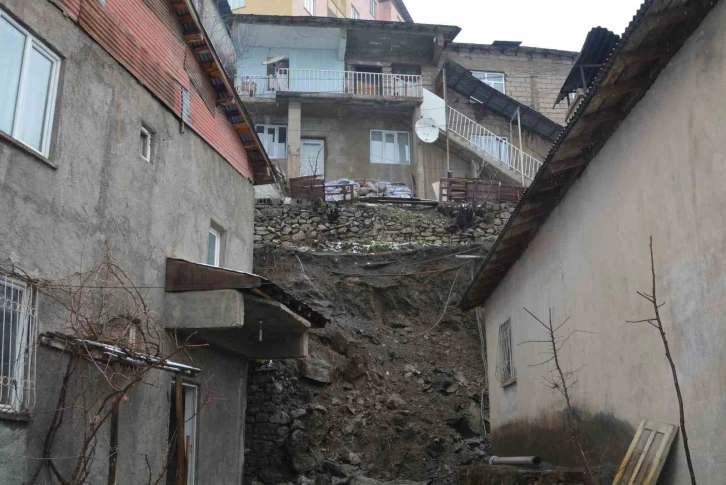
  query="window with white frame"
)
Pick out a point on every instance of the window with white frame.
point(214, 247)
point(505, 371)
point(354, 14)
point(390, 147)
point(374, 8)
point(17, 345)
point(310, 6)
point(274, 139)
point(145, 144)
point(28, 84)
point(493, 79)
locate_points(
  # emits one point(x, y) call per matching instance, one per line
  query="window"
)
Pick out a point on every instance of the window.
point(374, 7)
point(214, 246)
point(354, 13)
point(505, 372)
point(145, 144)
point(274, 139)
point(28, 80)
point(310, 6)
point(17, 345)
point(493, 79)
point(188, 413)
point(390, 147)
point(233, 4)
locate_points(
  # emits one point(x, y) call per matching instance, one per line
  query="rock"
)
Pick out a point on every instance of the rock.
point(395, 401)
point(354, 459)
point(467, 423)
point(339, 341)
point(280, 417)
point(298, 413)
point(316, 370)
point(357, 362)
point(341, 469)
point(317, 407)
point(298, 236)
point(303, 480)
point(410, 368)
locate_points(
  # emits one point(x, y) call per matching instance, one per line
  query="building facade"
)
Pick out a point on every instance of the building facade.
point(121, 133)
point(388, 10)
point(626, 169)
point(340, 98)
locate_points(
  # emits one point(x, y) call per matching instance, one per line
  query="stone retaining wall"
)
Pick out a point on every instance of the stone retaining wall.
point(305, 226)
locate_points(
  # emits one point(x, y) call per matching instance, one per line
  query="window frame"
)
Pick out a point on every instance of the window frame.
point(383, 148)
point(20, 397)
point(310, 7)
point(217, 247)
point(277, 143)
point(374, 8)
point(354, 13)
point(505, 372)
point(147, 145)
point(489, 82)
point(30, 42)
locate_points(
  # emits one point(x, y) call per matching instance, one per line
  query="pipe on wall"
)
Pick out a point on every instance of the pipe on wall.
point(515, 460)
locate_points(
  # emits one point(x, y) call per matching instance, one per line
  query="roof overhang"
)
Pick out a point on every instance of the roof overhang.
point(227, 98)
point(653, 37)
point(461, 80)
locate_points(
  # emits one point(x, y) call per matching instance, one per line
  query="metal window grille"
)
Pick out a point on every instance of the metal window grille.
point(18, 335)
point(505, 363)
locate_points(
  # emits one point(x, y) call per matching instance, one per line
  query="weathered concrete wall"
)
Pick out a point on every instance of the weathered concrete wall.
point(96, 189)
point(661, 174)
point(531, 77)
point(291, 225)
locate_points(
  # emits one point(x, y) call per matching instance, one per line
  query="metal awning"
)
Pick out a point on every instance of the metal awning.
point(461, 80)
point(598, 45)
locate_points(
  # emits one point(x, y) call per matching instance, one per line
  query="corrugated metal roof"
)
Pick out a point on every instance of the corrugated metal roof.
point(463, 82)
point(656, 33)
point(401, 7)
point(598, 45)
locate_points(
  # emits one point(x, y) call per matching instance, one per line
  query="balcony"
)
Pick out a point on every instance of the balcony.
point(343, 83)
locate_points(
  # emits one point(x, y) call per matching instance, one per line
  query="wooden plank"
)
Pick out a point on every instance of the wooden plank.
point(647, 454)
point(193, 37)
point(623, 87)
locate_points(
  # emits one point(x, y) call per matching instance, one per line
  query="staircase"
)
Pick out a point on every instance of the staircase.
point(469, 139)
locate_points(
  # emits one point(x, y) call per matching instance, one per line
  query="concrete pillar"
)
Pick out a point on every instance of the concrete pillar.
point(294, 118)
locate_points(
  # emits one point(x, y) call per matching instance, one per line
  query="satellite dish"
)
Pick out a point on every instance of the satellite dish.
point(273, 60)
point(427, 130)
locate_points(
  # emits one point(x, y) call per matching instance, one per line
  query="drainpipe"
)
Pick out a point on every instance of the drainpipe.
point(515, 460)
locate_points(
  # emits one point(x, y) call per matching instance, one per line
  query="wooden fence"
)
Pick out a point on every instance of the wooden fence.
point(461, 190)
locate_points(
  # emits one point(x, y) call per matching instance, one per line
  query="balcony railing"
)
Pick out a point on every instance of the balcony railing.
point(332, 82)
point(497, 147)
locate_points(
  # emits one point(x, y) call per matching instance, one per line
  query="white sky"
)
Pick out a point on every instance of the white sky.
point(555, 24)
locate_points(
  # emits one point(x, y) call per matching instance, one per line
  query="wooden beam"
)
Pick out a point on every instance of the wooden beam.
point(242, 128)
point(603, 116)
point(202, 50)
point(577, 143)
point(564, 164)
point(186, 19)
point(644, 55)
point(193, 37)
point(624, 87)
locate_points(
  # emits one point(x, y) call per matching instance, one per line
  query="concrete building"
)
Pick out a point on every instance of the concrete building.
point(388, 10)
point(641, 157)
point(340, 98)
point(119, 128)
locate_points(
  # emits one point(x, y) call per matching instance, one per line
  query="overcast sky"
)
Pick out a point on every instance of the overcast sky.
point(556, 24)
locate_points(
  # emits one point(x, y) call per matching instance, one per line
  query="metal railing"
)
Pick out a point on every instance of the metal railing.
point(495, 146)
point(327, 81)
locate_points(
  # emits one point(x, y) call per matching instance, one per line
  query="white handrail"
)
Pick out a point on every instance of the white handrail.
point(495, 146)
point(329, 81)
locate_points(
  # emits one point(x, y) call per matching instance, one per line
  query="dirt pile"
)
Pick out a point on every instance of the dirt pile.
point(393, 387)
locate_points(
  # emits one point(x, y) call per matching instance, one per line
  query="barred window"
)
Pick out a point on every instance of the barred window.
point(17, 345)
point(505, 371)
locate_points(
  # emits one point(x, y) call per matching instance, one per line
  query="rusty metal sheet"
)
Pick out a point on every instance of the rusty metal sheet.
point(184, 275)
